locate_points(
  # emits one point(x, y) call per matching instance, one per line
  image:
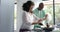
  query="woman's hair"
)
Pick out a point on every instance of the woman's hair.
point(26, 6)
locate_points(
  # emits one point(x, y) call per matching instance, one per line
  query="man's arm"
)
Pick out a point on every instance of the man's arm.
point(45, 17)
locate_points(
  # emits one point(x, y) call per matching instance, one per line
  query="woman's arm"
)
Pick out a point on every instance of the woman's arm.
point(34, 23)
point(27, 20)
point(37, 20)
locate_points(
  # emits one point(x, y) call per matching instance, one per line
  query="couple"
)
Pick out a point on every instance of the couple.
point(30, 18)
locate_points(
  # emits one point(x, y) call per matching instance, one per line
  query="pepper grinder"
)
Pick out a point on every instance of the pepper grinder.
point(47, 25)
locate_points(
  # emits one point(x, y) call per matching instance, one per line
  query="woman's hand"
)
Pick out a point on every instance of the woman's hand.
point(40, 20)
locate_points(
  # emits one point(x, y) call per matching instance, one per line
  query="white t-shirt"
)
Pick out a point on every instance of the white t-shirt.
point(27, 20)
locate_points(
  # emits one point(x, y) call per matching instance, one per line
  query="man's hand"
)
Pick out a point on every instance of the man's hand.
point(46, 15)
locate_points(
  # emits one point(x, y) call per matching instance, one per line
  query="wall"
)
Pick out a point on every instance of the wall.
point(6, 16)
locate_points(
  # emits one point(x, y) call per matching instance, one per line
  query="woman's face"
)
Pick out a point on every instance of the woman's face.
point(31, 8)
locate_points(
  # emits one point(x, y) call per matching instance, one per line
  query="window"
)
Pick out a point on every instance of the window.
point(57, 11)
point(48, 7)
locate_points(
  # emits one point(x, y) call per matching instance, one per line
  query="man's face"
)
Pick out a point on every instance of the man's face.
point(41, 6)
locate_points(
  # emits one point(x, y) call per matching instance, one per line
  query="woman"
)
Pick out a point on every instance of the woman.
point(29, 19)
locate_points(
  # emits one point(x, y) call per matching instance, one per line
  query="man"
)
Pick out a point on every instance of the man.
point(40, 13)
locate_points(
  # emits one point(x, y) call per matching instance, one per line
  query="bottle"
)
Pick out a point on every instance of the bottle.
point(47, 25)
